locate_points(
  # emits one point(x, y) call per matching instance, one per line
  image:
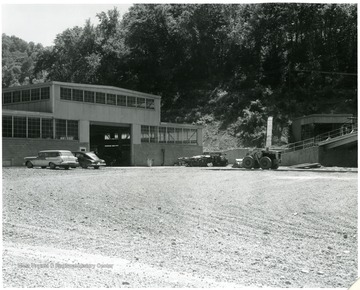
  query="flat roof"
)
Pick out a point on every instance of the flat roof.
point(324, 115)
point(90, 86)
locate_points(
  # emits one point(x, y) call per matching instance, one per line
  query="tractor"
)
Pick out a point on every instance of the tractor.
point(264, 158)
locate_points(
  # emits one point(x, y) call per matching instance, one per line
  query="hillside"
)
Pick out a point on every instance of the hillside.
point(228, 66)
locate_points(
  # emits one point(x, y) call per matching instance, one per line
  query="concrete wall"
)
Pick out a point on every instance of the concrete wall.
point(15, 149)
point(141, 153)
point(309, 155)
point(340, 156)
point(233, 154)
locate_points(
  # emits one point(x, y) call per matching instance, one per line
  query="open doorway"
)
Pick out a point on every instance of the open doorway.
point(111, 143)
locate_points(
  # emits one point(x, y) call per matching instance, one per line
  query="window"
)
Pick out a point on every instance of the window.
point(35, 94)
point(145, 134)
point(43, 155)
point(72, 130)
point(16, 97)
point(65, 94)
point(162, 134)
point(111, 99)
point(186, 136)
point(20, 127)
point(131, 101)
point(25, 95)
point(179, 135)
point(89, 97)
point(47, 128)
point(121, 100)
point(33, 127)
point(153, 134)
point(45, 93)
point(7, 98)
point(193, 136)
point(7, 126)
point(171, 135)
point(60, 129)
point(141, 103)
point(150, 104)
point(100, 98)
point(77, 95)
point(125, 136)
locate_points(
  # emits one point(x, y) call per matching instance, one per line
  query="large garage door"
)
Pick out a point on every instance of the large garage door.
point(112, 143)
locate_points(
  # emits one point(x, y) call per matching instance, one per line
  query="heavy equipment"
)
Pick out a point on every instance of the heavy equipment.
point(205, 160)
point(262, 158)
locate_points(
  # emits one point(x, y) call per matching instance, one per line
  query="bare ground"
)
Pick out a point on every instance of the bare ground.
point(179, 227)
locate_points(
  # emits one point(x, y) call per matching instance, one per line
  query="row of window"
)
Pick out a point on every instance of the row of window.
point(35, 127)
point(104, 98)
point(27, 95)
point(154, 134)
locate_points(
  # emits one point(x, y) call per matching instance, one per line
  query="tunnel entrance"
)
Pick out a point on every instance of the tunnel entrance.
point(111, 143)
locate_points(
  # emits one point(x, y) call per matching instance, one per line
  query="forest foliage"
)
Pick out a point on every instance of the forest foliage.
point(232, 65)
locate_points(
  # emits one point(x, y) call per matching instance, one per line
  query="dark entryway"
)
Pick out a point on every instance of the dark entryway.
point(111, 143)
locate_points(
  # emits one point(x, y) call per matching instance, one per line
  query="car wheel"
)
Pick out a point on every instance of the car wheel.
point(66, 167)
point(52, 165)
point(265, 162)
point(29, 164)
point(248, 162)
point(96, 167)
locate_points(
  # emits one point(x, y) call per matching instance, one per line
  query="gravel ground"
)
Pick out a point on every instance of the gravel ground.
point(179, 227)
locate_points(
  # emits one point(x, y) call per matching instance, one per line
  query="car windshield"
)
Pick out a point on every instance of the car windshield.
point(66, 154)
point(92, 155)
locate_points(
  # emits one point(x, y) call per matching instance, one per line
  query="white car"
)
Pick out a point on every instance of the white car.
point(52, 159)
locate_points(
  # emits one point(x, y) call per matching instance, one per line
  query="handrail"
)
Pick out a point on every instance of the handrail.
point(345, 129)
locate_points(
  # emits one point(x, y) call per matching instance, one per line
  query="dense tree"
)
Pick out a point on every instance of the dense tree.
point(18, 60)
point(241, 63)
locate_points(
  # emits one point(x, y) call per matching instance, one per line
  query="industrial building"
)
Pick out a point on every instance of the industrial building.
point(327, 139)
point(122, 126)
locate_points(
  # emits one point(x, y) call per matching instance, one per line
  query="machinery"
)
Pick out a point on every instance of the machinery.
point(206, 160)
point(264, 158)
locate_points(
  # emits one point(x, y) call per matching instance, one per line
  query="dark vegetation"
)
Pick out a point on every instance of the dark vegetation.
point(227, 67)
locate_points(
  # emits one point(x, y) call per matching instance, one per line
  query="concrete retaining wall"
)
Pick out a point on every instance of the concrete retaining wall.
point(309, 155)
point(15, 149)
point(143, 152)
point(340, 156)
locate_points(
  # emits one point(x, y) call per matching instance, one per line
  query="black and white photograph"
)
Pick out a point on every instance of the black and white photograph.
point(180, 144)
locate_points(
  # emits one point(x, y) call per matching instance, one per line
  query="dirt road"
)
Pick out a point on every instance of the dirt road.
point(179, 227)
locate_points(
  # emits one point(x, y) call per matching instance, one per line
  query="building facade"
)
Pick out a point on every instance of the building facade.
point(328, 139)
point(313, 125)
point(122, 126)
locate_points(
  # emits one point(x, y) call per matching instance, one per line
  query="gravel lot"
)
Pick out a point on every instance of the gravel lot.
point(179, 227)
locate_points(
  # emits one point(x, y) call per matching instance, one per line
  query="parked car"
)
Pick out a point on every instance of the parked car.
point(89, 159)
point(52, 159)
